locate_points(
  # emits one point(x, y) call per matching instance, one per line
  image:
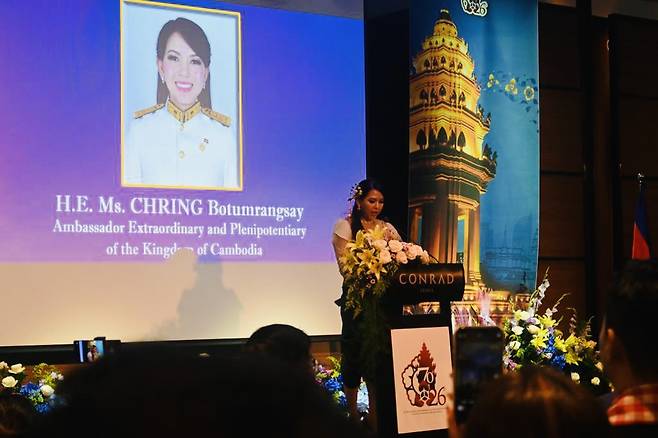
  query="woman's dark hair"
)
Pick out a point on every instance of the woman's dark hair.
point(197, 40)
point(284, 342)
point(359, 193)
point(536, 402)
point(16, 414)
point(165, 391)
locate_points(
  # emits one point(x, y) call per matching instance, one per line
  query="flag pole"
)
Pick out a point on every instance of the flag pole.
point(641, 248)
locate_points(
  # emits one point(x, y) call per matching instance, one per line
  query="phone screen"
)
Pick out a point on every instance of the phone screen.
point(90, 351)
point(479, 359)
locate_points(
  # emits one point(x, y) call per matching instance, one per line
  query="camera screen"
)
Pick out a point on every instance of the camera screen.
point(478, 360)
point(90, 351)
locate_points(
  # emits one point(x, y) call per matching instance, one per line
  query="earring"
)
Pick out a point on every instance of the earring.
point(162, 79)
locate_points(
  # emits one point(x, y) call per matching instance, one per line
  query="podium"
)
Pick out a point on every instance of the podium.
point(414, 382)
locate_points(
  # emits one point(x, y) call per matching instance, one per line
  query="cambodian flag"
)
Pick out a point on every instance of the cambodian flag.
point(641, 242)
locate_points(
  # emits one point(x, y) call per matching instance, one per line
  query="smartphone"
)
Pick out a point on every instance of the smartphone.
point(90, 350)
point(478, 360)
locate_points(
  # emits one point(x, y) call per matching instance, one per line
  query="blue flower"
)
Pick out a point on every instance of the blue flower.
point(558, 361)
point(29, 389)
point(333, 385)
point(42, 408)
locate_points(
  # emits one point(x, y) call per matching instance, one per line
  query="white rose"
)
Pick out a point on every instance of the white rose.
point(395, 245)
point(9, 382)
point(596, 381)
point(18, 368)
point(47, 390)
point(414, 251)
point(3, 365)
point(517, 330)
point(60, 377)
point(515, 345)
point(524, 315)
point(385, 256)
point(599, 366)
point(411, 255)
point(425, 258)
point(533, 329)
point(575, 377)
point(401, 257)
point(380, 244)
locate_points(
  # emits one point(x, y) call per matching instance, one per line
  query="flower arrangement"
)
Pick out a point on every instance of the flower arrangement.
point(40, 391)
point(331, 379)
point(369, 263)
point(368, 266)
point(533, 338)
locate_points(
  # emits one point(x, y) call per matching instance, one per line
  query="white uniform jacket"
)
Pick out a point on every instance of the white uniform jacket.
point(172, 148)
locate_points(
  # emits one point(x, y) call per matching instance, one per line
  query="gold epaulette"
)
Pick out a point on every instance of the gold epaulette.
point(221, 118)
point(142, 113)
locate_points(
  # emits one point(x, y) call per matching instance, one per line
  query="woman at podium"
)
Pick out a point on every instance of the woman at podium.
point(368, 201)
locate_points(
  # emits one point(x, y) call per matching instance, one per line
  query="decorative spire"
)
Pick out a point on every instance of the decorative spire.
point(445, 15)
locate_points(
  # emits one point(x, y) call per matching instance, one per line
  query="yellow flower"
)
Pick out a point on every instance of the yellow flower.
point(491, 80)
point(571, 341)
point(357, 243)
point(546, 321)
point(538, 342)
point(510, 87)
point(367, 256)
point(347, 262)
point(560, 344)
point(529, 93)
point(369, 262)
point(376, 269)
point(540, 338)
point(571, 358)
point(377, 233)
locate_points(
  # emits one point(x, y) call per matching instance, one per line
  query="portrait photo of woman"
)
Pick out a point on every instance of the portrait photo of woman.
point(182, 141)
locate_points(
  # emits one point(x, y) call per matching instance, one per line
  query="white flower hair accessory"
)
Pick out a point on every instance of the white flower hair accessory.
point(355, 192)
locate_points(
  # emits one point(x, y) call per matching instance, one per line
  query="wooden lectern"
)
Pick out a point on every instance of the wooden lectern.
point(415, 380)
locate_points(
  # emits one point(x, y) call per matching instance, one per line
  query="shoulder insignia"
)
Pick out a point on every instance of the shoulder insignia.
point(218, 117)
point(152, 109)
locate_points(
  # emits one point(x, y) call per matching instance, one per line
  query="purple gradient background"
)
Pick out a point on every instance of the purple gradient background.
point(303, 131)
